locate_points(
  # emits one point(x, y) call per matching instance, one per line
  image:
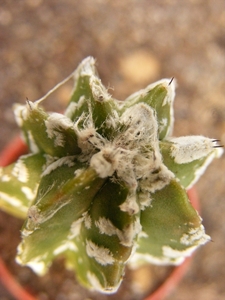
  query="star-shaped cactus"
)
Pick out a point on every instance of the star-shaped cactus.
point(105, 183)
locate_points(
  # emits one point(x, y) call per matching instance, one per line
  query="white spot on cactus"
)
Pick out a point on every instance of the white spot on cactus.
point(188, 148)
point(157, 179)
point(49, 160)
point(29, 193)
point(85, 68)
point(71, 109)
point(26, 232)
point(76, 225)
point(21, 113)
point(20, 171)
point(102, 166)
point(13, 201)
point(38, 266)
point(177, 255)
point(87, 220)
point(96, 285)
point(78, 172)
point(145, 199)
point(5, 178)
point(105, 226)
point(126, 236)
point(67, 160)
point(139, 259)
point(75, 228)
point(170, 85)
point(67, 245)
point(60, 249)
point(19, 251)
point(195, 236)
point(163, 124)
point(130, 205)
point(56, 124)
point(101, 254)
point(94, 282)
point(143, 234)
point(33, 146)
point(81, 102)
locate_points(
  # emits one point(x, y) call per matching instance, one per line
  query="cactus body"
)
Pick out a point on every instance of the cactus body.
point(105, 183)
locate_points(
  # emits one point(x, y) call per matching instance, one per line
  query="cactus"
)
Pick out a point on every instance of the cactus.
point(105, 183)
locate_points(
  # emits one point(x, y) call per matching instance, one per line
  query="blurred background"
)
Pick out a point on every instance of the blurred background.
point(135, 42)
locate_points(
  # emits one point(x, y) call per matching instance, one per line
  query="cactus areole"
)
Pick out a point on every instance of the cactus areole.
point(105, 183)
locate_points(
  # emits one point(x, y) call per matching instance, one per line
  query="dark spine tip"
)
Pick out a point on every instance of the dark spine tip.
point(171, 80)
point(28, 103)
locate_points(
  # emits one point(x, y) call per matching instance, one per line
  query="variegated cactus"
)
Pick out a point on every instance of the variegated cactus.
point(105, 182)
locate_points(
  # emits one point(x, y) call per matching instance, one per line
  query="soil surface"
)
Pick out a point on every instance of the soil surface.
point(135, 42)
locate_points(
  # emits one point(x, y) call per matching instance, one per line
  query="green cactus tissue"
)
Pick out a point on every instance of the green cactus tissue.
point(105, 183)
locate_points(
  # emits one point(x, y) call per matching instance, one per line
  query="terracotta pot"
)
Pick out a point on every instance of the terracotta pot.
point(9, 155)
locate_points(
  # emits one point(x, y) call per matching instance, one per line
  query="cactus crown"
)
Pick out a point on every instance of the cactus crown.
point(105, 183)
